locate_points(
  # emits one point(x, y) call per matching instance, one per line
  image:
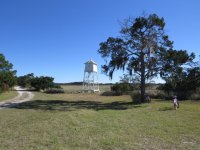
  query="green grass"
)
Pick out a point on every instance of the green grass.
point(7, 95)
point(91, 121)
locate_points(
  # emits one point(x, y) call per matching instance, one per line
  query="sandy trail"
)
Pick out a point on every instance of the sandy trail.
point(22, 96)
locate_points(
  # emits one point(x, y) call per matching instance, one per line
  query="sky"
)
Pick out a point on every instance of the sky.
point(56, 37)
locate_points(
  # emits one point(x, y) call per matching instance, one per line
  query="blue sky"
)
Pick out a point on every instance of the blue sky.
point(56, 37)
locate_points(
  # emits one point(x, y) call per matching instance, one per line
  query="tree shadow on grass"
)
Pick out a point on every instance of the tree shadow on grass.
point(166, 109)
point(60, 105)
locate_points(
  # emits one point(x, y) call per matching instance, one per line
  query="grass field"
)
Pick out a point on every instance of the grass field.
point(7, 95)
point(78, 88)
point(91, 121)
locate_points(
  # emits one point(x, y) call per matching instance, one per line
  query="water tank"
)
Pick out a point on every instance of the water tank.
point(90, 66)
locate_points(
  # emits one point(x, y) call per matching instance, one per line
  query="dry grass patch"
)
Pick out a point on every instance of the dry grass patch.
point(78, 88)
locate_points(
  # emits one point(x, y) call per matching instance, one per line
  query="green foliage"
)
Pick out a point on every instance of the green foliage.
point(136, 98)
point(7, 75)
point(38, 83)
point(26, 80)
point(159, 94)
point(5, 65)
point(183, 83)
point(57, 86)
point(143, 49)
point(42, 83)
point(55, 91)
point(195, 95)
point(144, 39)
point(121, 88)
point(173, 61)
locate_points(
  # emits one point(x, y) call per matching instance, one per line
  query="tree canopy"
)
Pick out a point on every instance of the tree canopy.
point(38, 83)
point(7, 75)
point(143, 48)
point(26, 80)
point(183, 82)
point(42, 83)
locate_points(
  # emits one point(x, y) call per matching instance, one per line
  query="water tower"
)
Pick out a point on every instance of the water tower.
point(90, 79)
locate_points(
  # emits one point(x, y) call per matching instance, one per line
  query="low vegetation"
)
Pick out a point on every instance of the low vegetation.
point(185, 83)
point(92, 121)
point(7, 95)
point(121, 88)
point(44, 83)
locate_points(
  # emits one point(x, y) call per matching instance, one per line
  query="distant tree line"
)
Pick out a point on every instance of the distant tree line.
point(71, 83)
point(81, 83)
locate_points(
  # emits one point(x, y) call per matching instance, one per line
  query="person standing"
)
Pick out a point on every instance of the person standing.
point(176, 103)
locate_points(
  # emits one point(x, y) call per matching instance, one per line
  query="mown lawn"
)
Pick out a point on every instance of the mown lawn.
point(7, 95)
point(91, 121)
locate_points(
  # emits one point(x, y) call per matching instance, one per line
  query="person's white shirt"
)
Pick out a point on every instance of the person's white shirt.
point(175, 101)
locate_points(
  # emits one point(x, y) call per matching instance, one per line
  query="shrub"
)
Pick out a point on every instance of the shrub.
point(42, 83)
point(195, 96)
point(158, 95)
point(25, 81)
point(108, 93)
point(55, 91)
point(120, 88)
point(57, 86)
point(135, 97)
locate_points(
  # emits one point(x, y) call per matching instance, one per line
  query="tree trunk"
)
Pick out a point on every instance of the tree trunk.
point(142, 87)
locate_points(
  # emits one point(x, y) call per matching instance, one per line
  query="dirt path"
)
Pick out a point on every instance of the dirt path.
point(22, 96)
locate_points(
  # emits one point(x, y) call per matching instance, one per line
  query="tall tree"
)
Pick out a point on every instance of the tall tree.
point(142, 49)
point(7, 75)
